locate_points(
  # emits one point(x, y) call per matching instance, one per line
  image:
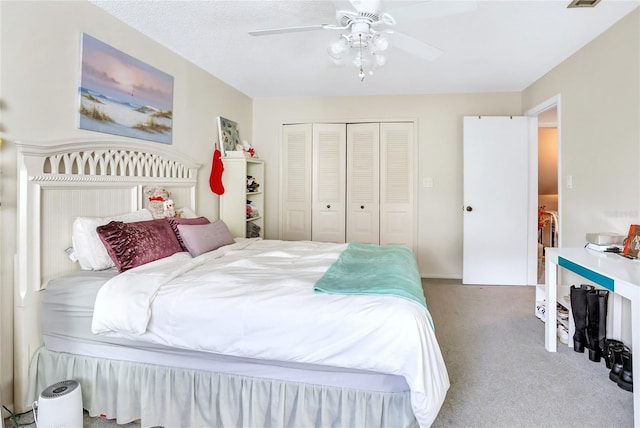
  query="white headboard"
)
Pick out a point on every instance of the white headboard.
point(58, 182)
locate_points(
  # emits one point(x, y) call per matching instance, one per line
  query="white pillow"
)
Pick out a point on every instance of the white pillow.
point(89, 249)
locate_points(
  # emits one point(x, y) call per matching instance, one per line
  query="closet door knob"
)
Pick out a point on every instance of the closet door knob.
point(469, 208)
point(361, 207)
point(328, 206)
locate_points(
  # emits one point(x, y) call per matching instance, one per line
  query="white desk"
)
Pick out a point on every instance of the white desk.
point(617, 274)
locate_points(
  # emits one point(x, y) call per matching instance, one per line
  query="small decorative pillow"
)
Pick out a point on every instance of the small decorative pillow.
point(87, 245)
point(134, 244)
point(202, 238)
point(175, 221)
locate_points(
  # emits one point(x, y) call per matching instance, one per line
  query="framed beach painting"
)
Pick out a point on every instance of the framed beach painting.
point(123, 96)
point(228, 134)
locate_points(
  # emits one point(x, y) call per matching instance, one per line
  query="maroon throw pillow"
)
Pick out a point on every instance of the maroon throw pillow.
point(175, 221)
point(134, 244)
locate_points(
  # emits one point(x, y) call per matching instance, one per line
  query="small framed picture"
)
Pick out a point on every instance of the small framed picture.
point(228, 134)
point(632, 243)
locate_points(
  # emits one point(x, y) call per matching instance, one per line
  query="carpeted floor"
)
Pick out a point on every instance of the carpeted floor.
point(501, 375)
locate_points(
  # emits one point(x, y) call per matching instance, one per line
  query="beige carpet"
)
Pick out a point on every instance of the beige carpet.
point(501, 375)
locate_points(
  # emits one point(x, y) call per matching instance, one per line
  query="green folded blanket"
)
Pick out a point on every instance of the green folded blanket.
point(375, 269)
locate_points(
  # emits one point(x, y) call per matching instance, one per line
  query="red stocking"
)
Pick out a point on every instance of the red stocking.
point(215, 179)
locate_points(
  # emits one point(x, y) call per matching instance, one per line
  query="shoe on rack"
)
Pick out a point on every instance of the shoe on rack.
point(563, 313)
point(541, 310)
point(563, 334)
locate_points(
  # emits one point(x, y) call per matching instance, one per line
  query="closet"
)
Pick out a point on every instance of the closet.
point(349, 182)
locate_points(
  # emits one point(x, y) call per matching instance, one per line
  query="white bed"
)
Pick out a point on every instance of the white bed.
point(220, 381)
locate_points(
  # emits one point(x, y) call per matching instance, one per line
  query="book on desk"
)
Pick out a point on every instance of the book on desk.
point(609, 248)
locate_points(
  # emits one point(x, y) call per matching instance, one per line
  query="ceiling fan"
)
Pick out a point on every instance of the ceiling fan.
point(368, 30)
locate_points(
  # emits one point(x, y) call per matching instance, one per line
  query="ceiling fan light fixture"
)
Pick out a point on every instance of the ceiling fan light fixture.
point(339, 49)
point(380, 60)
point(363, 47)
point(379, 43)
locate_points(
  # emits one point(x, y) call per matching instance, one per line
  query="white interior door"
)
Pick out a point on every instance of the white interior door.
point(496, 237)
point(329, 182)
point(296, 182)
point(363, 183)
point(397, 184)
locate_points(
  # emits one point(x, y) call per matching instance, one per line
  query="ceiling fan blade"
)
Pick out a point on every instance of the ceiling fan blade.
point(284, 30)
point(432, 9)
point(415, 46)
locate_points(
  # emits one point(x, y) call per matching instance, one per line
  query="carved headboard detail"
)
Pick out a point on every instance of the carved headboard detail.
point(58, 182)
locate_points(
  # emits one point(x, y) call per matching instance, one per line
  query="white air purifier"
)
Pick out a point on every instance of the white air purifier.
point(59, 406)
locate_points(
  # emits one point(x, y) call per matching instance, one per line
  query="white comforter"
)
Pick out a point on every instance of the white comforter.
point(255, 299)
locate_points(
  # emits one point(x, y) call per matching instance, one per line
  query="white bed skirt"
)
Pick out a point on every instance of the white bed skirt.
point(175, 397)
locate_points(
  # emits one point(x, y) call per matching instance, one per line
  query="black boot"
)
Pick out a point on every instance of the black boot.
point(610, 344)
point(579, 309)
point(596, 323)
point(625, 380)
point(616, 366)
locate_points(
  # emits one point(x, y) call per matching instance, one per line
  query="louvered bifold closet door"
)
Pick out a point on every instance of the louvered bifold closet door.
point(363, 182)
point(296, 182)
point(397, 184)
point(329, 182)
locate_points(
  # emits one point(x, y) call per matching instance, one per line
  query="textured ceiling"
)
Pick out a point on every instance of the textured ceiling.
point(500, 46)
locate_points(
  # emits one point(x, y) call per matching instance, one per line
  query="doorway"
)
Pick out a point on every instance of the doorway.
point(547, 171)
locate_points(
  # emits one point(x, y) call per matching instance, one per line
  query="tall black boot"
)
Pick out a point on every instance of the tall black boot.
point(579, 310)
point(596, 323)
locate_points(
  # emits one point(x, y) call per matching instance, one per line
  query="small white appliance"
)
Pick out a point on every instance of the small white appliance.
point(59, 406)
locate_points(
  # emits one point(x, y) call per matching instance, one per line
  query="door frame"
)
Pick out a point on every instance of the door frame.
point(554, 101)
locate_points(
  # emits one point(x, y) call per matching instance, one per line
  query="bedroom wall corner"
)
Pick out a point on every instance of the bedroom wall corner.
point(40, 51)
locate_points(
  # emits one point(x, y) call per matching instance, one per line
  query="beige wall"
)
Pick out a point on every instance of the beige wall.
point(599, 135)
point(439, 122)
point(548, 168)
point(39, 102)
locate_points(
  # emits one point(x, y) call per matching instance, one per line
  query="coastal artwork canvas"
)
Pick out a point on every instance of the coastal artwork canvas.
point(123, 96)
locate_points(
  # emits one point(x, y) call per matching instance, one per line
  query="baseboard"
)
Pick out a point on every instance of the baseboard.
point(439, 276)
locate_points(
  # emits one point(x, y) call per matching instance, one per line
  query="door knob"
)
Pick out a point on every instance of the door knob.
point(469, 208)
point(361, 207)
point(328, 206)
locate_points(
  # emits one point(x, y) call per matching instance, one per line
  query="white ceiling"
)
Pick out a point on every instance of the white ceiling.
point(501, 46)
